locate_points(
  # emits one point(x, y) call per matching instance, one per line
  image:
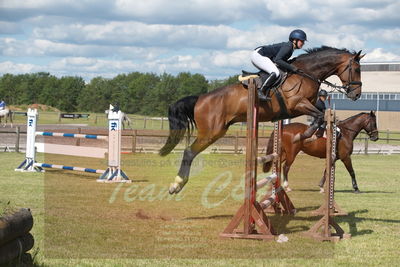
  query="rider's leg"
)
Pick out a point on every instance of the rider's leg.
point(321, 130)
point(265, 64)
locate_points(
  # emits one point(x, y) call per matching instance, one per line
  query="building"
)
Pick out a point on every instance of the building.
point(380, 93)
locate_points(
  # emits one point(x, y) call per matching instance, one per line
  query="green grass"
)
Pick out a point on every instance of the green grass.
point(81, 222)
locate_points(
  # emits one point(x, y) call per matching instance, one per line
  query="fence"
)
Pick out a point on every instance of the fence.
point(150, 141)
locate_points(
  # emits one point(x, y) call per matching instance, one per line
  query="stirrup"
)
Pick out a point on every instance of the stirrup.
point(262, 96)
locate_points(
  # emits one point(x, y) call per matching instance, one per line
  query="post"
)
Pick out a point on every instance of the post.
point(162, 123)
point(366, 145)
point(78, 140)
point(134, 135)
point(251, 158)
point(236, 143)
point(387, 136)
point(114, 172)
point(144, 122)
point(17, 132)
point(28, 163)
point(322, 230)
point(251, 213)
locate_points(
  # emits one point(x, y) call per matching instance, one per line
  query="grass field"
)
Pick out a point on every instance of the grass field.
point(81, 222)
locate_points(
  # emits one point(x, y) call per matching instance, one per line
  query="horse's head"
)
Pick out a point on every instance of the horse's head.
point(370, 126)
point(349, 72)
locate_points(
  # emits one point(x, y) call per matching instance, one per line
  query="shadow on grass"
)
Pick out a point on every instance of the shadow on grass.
point(363, 192)
point(209, 217)
point(83, 175)
point(352, 219)
point(347, 191)
point(281, 222)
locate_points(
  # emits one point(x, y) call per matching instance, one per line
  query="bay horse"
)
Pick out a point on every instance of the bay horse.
point(212, 113)
point(349, 129)
point(6, 114)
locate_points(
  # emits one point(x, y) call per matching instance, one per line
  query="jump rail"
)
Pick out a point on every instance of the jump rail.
point(113, 173)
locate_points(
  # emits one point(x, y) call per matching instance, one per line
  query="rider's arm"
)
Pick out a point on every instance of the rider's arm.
point(280, 59)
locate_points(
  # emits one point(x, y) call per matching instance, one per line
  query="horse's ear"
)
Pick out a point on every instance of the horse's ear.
point(358, 56)
point(372, 113)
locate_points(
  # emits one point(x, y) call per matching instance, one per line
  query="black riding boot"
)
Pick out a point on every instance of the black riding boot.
point(267, 84)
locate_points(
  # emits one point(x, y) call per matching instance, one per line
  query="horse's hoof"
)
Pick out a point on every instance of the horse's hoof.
point(321, 190)
point(357, 191)
point(288, 189)
point(173, 188)
point(177, 186)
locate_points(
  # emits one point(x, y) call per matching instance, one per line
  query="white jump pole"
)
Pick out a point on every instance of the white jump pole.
point(113, 172)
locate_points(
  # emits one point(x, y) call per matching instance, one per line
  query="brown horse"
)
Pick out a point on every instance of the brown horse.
point(212, 113)
point(349, 129)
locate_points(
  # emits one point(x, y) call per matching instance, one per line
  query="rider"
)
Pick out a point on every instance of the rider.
point(2, 105)
point(320, 105)
point(265, 57)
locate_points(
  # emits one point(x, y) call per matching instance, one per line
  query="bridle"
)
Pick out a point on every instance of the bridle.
point(347, 87)
point(370, 133)
point(344, 89)
point(367, 125)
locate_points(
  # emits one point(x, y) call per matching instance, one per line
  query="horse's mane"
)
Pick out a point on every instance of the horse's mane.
point(351, 118)
point(316, 51)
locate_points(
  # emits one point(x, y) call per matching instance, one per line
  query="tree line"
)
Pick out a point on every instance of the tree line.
point(138, 93)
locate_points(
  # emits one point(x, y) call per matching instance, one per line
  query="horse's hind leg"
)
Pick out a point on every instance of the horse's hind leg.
point(201, 143)
point(322, 182)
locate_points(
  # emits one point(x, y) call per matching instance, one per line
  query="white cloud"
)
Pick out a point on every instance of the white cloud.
point(379, 55)
point(17, 68)
point(212, 37)
point(12, 47)
point(131, 33)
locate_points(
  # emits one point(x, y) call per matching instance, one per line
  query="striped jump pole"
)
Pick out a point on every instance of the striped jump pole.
point(69, 168)
point(113, 173)
point(72, 135)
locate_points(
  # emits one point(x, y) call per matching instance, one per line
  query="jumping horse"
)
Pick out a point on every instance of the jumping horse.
point(212, 113)
point(349, 129)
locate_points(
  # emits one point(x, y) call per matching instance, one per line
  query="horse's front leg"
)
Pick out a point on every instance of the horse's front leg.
point(306, 108)
point(349, 166)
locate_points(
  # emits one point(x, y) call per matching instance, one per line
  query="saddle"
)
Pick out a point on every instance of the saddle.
point(260, 77)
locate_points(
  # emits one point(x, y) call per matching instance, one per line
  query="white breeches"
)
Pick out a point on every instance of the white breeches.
point(263, 63)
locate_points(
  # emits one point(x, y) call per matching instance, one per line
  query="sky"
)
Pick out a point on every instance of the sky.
point(91, 38)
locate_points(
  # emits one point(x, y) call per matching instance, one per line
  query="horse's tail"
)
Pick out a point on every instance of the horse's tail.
point(270, 147)
point(181, 117)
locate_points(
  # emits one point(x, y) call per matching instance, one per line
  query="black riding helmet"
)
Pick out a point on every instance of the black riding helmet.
point(298, 34)
point(322, 92)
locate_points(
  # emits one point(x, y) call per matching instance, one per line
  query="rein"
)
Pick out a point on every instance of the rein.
point(344, 89)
